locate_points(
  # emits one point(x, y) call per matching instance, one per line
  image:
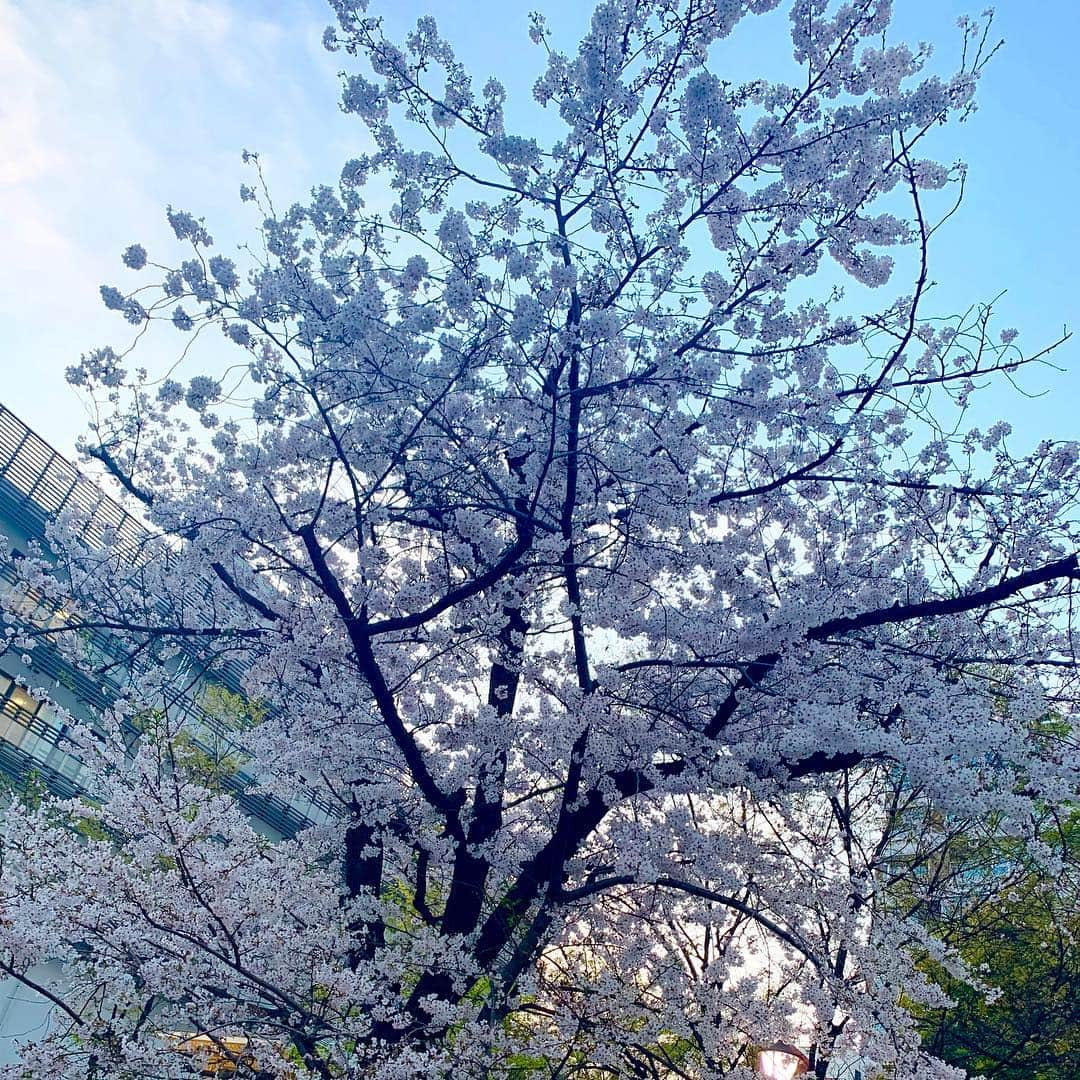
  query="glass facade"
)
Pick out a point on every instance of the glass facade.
point(36, 483)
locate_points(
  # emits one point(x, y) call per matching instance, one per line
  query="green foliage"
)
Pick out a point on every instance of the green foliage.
point(230, 710)
point(526, 1067)
point(91, 827)
point(204, 751)
point(30, 790)
point(208, 762)
point(1018, 924)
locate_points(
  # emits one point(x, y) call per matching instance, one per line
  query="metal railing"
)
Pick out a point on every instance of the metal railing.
point(33, 723)
point(21, 768)
point(36, 484)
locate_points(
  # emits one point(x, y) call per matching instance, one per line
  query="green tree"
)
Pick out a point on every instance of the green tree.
point(1017, 924)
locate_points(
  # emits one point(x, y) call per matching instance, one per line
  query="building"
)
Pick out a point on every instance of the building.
point(36, 483)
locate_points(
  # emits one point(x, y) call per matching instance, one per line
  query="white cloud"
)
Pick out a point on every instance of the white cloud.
point(109, 109)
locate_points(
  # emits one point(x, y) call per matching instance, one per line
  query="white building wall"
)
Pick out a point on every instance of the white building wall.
point(25, 1016)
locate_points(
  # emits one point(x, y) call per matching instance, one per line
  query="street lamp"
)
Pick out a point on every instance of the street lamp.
point(781, 1061)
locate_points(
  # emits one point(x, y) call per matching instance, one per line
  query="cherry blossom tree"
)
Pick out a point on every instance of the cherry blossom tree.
point(596, 525)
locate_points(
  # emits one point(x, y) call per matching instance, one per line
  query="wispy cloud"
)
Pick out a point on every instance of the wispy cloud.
point(109, 109)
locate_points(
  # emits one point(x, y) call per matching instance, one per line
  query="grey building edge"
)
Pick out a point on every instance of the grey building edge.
point(36, 484)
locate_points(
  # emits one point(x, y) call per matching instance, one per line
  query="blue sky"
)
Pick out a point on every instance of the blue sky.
point(109, 109)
